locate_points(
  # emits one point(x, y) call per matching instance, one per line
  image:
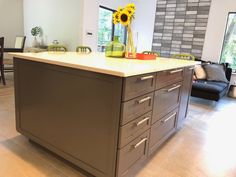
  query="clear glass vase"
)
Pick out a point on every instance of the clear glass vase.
point(115, 48)
point(130, 51)
point(35, 42)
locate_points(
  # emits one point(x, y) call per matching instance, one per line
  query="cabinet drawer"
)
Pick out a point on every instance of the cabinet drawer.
point(135, 128)
point(136, 107)
point(132, 153)
point(165, 100)
point(162, 129)
point(165, 78)
point(138, 85)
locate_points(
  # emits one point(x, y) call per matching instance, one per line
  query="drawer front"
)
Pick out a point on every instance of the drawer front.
point(132, 153)
point(136, 107)
point(162, 129)
point(165, 78)
point(165, 100)
point(138, 85)
point(134, 129)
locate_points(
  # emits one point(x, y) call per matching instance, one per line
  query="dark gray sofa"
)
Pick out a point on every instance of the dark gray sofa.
point(211, 90)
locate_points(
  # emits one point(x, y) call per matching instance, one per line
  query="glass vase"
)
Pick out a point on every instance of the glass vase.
point(35, 42)
point(115, 48)
point(130, 51)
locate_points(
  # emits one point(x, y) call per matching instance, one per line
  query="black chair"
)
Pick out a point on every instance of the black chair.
point(19, 47)
point(2, 77)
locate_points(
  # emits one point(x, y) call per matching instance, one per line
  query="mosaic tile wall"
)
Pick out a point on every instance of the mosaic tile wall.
point(180, 26)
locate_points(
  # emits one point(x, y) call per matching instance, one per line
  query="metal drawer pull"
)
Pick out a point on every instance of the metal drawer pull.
point(141, 142)
point(164, 121)
point(146, 78)
point(144, 100)
point(173, 88)
point(142, 121)
point(176, 71)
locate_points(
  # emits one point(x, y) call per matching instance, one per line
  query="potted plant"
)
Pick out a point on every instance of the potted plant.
point(35, 32)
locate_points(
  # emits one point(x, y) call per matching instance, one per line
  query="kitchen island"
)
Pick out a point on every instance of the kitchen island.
point(105, 115)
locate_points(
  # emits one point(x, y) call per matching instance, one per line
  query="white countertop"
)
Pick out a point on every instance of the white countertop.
point(97, 62)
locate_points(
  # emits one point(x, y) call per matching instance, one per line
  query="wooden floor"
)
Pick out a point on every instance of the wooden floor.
point(204, 147)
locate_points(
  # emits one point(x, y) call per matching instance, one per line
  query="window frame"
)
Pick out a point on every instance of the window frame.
point(113, 25)
point(222, 48)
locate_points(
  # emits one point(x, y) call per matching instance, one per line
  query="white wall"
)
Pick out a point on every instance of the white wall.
point(11, 19)
point(69, 22)
point(216, 28)
point(60, 20)
point(144, 23)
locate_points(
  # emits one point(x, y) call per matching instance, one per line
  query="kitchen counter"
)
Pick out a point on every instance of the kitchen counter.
point(97, 62)
point(107, 116)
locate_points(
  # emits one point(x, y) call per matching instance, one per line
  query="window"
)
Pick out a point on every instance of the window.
point(228, 53)
point(107, 30)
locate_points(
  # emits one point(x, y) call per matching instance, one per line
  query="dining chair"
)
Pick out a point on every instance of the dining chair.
point(19, 47)
point(152, 53)
point(57, 48)
point(2, 77)
point(83, 49)
point(183, 56)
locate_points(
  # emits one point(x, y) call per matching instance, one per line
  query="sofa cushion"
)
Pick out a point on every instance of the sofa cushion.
point(215, 72)
point(199, 72)
point(209, 86)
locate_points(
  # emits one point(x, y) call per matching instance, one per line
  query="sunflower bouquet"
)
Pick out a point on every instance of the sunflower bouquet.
point(125, 16)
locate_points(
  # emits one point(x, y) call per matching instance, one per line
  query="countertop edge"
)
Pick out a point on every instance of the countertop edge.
point(93, 69)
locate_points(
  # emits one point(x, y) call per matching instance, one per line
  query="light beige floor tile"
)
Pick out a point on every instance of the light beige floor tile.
point(204, 147)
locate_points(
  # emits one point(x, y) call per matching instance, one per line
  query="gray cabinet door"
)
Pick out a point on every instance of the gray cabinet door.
point(185, 95)
point(73, 113)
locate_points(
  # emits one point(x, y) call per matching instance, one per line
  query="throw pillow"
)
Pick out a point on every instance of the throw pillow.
point(215, 72)
point(200, 72)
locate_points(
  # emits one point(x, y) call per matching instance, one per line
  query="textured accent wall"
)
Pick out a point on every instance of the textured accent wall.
point(180, 26)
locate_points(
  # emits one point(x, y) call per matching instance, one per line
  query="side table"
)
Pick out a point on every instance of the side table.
point(232, 91)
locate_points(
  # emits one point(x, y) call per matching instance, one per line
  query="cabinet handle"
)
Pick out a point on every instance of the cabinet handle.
point(142, 121)
point(173, 88)
point(164, 121)
point(146, 78)
point(141, 142)
point(144, 100)
point(176, 71)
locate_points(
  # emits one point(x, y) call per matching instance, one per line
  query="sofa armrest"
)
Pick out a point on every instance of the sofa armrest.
point(228, 73)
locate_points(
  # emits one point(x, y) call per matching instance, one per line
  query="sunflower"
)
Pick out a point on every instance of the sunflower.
point(115, 21)
point(124, 17)
point(131, 6)
point(131, 11)
point(119, 9)
point(116, 17)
